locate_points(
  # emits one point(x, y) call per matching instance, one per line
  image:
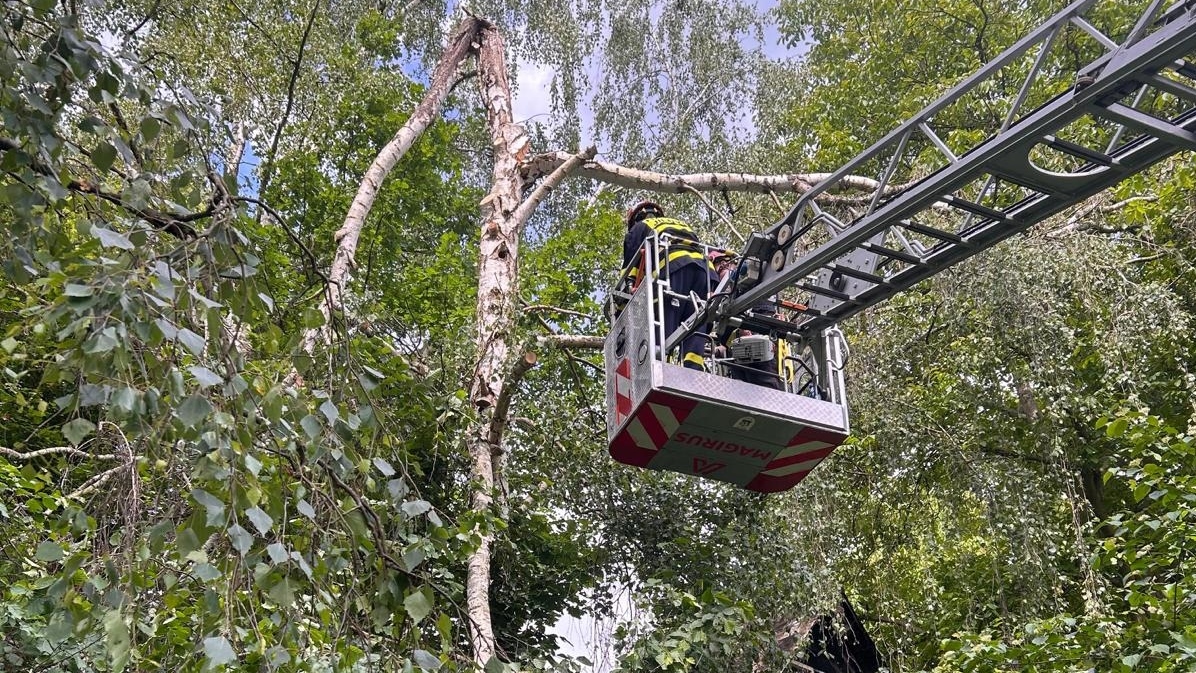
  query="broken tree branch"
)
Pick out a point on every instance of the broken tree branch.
point(68, 450)
point(498, 422)
point(529, 205)
point(722, 216)
point(636, 178)
point(571, 341)
point(175, 225)
point(348, 235)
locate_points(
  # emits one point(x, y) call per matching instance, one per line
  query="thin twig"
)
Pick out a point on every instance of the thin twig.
point(709, 206)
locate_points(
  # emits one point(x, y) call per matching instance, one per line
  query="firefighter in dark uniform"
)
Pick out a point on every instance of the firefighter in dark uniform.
point(758, 373)
point(687, 268)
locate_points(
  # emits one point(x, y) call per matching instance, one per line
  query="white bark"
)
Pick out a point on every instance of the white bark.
point(572, 341)
point(497, 289)
point(348, 235)
point(503, 217)
point(664, 182)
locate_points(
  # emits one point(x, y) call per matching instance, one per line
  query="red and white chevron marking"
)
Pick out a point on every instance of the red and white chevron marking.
point(652, 423)
point(622, 391)
point(803, 453)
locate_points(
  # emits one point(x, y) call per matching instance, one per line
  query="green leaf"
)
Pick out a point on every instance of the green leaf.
point(61, 626)
point(330, 411)
point(306, 509)
point(193, 410)
point(311, 425)
point(77, 430)
point(76, 290)
point(149, 129)
point(425, 660)
point(260, 520)
point(240, 538)
point(278, 553)
point(205, 377)
point(384, 467)
point(123, 399)
point(1116, 428)
point(218, 651)
point(418, 604)
point(192, 341)
point(49, 552)
point(111, 239)
point(495, 665)
point(213, 505)
point(312, 318)
point(207, 572)
point(253, 464)
point(413, 508)
point(103, 155)
point(281, 593)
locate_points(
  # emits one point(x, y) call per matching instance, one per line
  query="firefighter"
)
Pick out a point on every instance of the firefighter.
point(762, 373)
point(686, 267)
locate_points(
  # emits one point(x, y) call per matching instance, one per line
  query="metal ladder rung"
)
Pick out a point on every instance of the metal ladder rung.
point(1186, 68)
point(1149, 124)
point(975, 208)
point(1079, 151)
point(873, 278)
point(1025, 182)
point(1177, 89)
point(948, 236)
point(833, 294)
point(894, 254)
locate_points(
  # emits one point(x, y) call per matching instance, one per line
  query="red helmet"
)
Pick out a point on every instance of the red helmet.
point(641, 210)
point(715, 255)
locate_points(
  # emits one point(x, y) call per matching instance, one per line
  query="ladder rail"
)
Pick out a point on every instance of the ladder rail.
point(1115, 75)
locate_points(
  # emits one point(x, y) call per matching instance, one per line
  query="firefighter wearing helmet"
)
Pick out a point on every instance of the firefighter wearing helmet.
point(686, 266)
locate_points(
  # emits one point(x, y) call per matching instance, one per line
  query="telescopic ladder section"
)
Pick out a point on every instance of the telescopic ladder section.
point(1129, 108)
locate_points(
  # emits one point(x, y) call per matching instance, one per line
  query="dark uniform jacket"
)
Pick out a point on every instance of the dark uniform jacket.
point(683, 246)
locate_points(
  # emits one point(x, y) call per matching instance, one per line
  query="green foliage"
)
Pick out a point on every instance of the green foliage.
point(190, 507)
point(710, 632)
point(1144, 619)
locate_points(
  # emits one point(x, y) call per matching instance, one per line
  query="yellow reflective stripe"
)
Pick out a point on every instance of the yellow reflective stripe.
point(696, 359)
point(667, 225)
point(681, 254)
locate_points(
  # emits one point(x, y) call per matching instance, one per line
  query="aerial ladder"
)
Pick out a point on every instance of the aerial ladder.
point(1064, 138)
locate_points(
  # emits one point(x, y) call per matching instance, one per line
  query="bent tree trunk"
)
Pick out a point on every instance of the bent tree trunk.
point(425, 113)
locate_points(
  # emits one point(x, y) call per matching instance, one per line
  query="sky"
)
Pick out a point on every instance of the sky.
point(532, 100)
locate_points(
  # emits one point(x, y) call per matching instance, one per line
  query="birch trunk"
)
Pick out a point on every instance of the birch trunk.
point(503, 215)
point(350, 232)
point(497, 290)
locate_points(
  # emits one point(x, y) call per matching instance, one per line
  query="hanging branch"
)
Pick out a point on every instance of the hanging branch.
point(572, 341)
point(296, 68)
point(502, 407)
point(68, 450)
point(529, 205)
point(348, 235)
